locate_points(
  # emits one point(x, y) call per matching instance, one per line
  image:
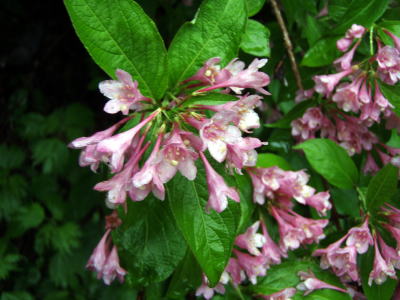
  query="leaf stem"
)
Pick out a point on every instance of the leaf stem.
point(288, 44)
point(238, 291)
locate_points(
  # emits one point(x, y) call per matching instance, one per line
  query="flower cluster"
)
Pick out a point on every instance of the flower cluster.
point(256, 252)
point(359, 100)
point(178, 134)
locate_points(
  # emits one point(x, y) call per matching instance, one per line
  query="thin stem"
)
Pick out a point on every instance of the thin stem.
point(288, 44)
point(238, 291)
point(371, 40)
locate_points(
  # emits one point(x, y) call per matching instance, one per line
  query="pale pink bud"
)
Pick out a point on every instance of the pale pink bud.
point(235, 271)
point(343, 44)
point(389, 254)
point(99, 256)
point(311, 283)
point(344, 62)
point(270, 250)
point(218, 190)
point(355, 31)
point(370, 165)
point(320, 202)
point(324, 84)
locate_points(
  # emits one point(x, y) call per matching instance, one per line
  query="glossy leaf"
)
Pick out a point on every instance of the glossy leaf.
point(322, 53)
point(210, 235)
point(256, 39)
point(149, 241)
point(361, 12)
point(331, 161)
point(209, 99)
point(118, 34)
point(215, 31)
point(254, 6)
point(267, 160)
point(382, 187)
point(394, 140)
point(346, 202)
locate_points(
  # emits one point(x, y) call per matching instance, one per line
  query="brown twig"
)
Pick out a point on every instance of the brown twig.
point(288, 44)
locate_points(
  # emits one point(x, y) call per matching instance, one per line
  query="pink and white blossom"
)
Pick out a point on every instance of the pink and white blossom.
point(123, 93)
point(112, 269)
point(324, 84)
point(218, 190)
point(99, 256)
point(381, 269)
point(251, 240)
point(360, 237)
point(253, 266)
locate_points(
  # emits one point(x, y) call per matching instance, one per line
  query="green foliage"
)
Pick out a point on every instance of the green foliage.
point(361, 12)
point(119, 35)
point(331, 161)
point(392, 93)
point(346, 202)
point(256, 39)
point(382, 187)
point(322, 53)
point(150, 241)
point(254, 6)
point(210, 235)
point(216, 30)
point(209, 99)
point(266, 160)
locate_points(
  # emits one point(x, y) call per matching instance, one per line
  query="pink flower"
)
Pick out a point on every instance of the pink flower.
point(346, 95)
point(343, 44)
point(344, 263)
point(120, 183)
point(381, 101)
point(381, 268)
point(251, 240)
point(242, 154)
point(344, 62)
point(328, 252)
point(258, 186)
point(123, 93)
point(217, 133)
point(270, 250)
point(217, 188)
point(370, 165)
point(99, 256)
point(112, 269)
point(207, 292)
point(320, 202)
point(311, 283)
point(246, 118)
point(389, 254)
point(392, 213)
point(360, 237)
point(285, 294)
point(148, 178)
point(308, 124)
point(235, 271)
point(210, 73)
point(176, 154)
point(302, 95)
point(240, 78)
point(355, 31)
point(324, 84)
point(388, 59)
point(117, 145)
point(253, 266)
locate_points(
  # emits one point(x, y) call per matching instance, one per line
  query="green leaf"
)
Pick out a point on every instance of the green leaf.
point(210, 236)
point(28, 217)
point(337, 8)
point(151, 245)
point(361, 12)
point(11, 157)
point(256, 39)
point(331, 161)
point(313, 30)
point(215, 31)
point(19, 295)
point(51, 153)
point(267, 160)
point(295, 113)
point(8, 263)
point(394, 140)
point(323, 53)
point(118, 34)
point(285, 275)
point(209, 99)
point(382, 187)
point(254, 6)
point(346, 202)
point(392, 26)
point(384, 291)
point(187, 276)
point(392, 93)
